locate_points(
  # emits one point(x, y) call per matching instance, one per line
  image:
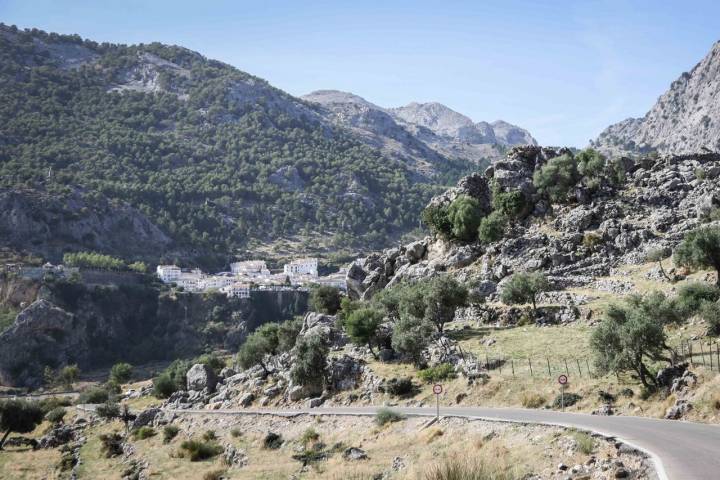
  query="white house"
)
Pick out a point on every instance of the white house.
point(216, 282)
point(302, 266)
point(236, 290)
point(251, 268)
point(168, 273)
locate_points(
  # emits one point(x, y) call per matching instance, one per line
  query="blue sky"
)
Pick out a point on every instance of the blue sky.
point(562, 69)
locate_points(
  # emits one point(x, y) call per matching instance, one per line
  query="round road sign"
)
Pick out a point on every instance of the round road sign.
point(437, 389)
point(562, 379)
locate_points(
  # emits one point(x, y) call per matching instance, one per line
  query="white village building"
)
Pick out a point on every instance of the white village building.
point(237, 290)
point(302, 266)
point(168, 273)
point(250, 268)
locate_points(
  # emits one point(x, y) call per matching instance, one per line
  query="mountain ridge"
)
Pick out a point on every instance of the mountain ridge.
point(685, 119)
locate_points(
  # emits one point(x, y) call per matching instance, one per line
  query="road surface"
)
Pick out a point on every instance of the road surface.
point(680, 450)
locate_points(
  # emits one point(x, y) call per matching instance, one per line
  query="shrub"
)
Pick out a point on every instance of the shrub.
point(692, 295)
point(68, 375)
point(469, 469)
point(170, 432)
point(436, 218)
point(171, 379)
point(144, 432)
point(288, 332)
point(94, 395)
point(309, 435)
point(385, 416)
point(509, 204)
point(590, 165)
point(108, 410)
point(56, 415)
point(211, 360)
point(492, 227)
point(198, 451)
point(272, 441)
point(437, 373)
point(443, 295)
point(570, 399)
point(325, 299)
point(310, 361)
point(700, 249)
point(700, 173)
point(214, 475)
point(464, 215)
point(591, 240)
point(111, 444)
point(163, 386)
point(236, 433)
point(121, 373)
point(400, 387)
point(532, 400)
point(585, 443)
point(209, 436)
point(556, 177)
point(710, 312)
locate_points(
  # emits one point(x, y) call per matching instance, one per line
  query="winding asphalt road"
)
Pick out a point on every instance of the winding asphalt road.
point(680, 450)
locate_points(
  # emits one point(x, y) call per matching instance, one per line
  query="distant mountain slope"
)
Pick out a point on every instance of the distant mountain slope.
point(429, 137)
point(214, 157)
point(685, 119)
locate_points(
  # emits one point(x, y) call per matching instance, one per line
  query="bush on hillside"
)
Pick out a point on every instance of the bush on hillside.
point(556, 177)
point(464, 215)
point(325, 299)
point(197, 450)
point(310, 361)
point(385, 416)
point(492, 227)
point(444, 371)
point(692, 295)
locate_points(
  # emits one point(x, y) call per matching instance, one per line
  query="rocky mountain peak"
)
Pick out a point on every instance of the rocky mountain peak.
point(685, 119)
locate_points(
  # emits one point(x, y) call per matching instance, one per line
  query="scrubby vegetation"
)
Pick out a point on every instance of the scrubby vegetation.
point(18, 416)
point(385, 416)
point(524, 287)
point(197, 450)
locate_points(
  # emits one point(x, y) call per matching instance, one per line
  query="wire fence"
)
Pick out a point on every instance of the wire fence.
point(700, 352)
point(695, 353)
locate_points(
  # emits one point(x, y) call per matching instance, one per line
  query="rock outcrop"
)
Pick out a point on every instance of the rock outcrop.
point(685, 119)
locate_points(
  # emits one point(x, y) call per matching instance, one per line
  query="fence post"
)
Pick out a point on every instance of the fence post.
point(578, 364)
point(512, 365)
point(717, 351)
point(702, 355)
point(530, 364)
point(500, 365)
point(711, 359)
point(587, 364)
point(548, 364)
point(692, 361)
point(487, 361)
point(567, 370)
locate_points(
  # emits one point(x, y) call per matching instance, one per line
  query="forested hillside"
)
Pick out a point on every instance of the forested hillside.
point(211, 155)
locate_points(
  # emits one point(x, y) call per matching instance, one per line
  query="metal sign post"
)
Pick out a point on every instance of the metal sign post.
point(437, 390)
point(562, 380)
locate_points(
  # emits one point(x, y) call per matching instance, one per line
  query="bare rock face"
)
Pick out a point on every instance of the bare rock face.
point(55, 223)
point(43, 334)
point(685, 119)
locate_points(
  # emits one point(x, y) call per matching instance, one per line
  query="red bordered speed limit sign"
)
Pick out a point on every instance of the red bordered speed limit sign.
point(562, 379)
point(437, 389)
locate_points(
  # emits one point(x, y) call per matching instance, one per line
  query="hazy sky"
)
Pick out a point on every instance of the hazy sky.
point(562, 69)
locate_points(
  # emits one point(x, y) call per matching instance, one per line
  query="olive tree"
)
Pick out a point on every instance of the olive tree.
point(442, 296)
point(411, 336)
point(658, 255)
point(627, 339)
point(310, 366)
point(325, 299)
point(361, 326)
point(700, 249)
point(19, 416)
point(524, 287)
